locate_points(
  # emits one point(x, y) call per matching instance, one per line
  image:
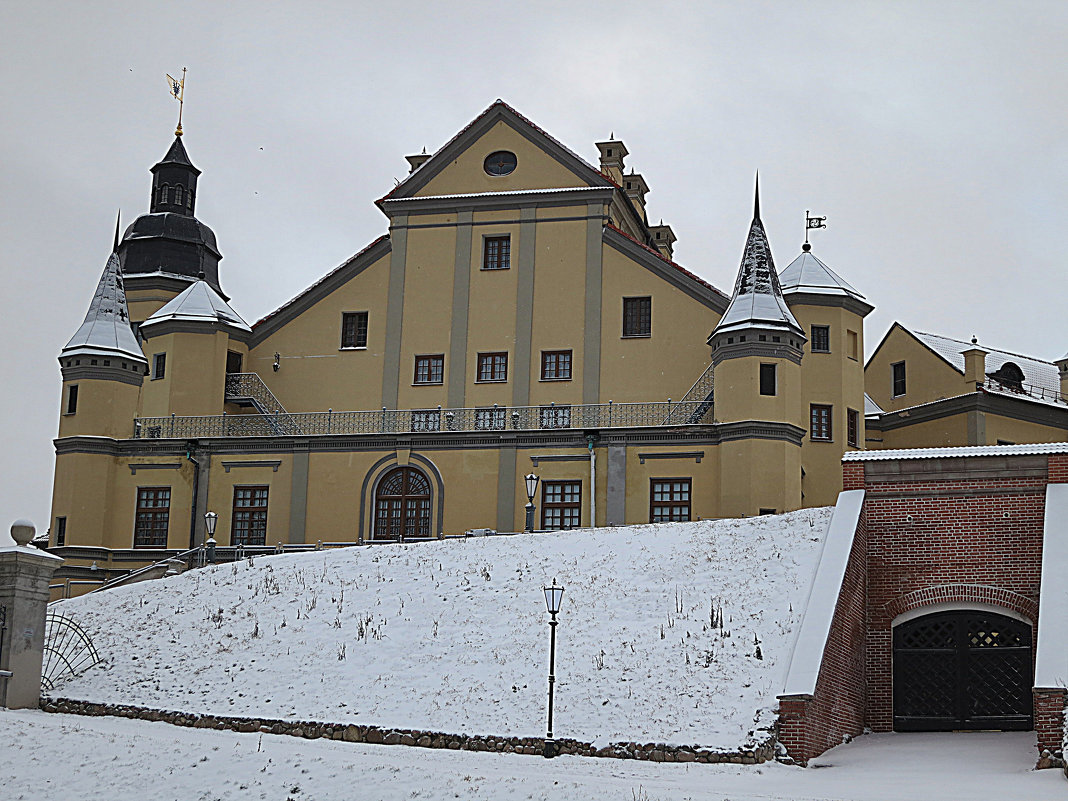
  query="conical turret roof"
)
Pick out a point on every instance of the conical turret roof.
point(178, 155)
point(106, 330)
point(807, 273)
point(199, 303)
point(757, 301)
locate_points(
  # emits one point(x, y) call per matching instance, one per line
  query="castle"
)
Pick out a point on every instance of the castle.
point(521, 319)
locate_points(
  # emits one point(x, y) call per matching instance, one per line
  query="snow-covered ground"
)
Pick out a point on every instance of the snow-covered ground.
point(674, 633)
point(113, 759)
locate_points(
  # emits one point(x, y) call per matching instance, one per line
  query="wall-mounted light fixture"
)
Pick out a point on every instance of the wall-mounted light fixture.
point(277, 362)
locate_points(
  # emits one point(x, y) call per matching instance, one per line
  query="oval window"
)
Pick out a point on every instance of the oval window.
point(500, 163)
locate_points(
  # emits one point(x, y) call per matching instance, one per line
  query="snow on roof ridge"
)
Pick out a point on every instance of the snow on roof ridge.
point(198, 301)
point(799, 283)
point(980, 346)
point(498, 194)
point(1028, 449)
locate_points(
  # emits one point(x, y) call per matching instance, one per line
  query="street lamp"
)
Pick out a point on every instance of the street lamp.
point(553, 596)
point(210, 519)
point(532, 487)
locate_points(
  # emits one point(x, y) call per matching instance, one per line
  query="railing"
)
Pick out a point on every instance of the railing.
point(1031, 390)
point(249, 386)
point(393, 421)
point(700, 392)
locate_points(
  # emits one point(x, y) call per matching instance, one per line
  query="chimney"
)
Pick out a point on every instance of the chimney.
point(664, 239)
point(612, 154)
point(417, 160)
point(636, 188)
point(975, 367)
point(1062, 368)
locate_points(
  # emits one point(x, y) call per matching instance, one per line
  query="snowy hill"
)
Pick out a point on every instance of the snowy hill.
point(658, 638)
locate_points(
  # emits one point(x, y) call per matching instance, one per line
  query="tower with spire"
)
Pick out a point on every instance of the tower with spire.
point(757, 348)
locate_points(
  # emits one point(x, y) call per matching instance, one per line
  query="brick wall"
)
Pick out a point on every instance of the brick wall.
point(1051, 707)
point(808, 727)
point(949, 530)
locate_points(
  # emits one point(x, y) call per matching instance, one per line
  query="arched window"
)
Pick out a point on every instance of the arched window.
point(178, 195)
point(189, 198)
point(1009, 375)
point(165, 193)
point(402, 505)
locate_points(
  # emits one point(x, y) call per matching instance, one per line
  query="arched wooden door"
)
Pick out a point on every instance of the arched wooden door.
point(962, 670)
point(402, 505)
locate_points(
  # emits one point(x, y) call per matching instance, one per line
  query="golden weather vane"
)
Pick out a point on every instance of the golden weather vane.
point(178, 93)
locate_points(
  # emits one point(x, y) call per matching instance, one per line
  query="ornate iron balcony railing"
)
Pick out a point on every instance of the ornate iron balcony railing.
point(404, 421)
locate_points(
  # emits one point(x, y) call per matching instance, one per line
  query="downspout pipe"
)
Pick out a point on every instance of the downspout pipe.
point(593, 481)
point(196, 493)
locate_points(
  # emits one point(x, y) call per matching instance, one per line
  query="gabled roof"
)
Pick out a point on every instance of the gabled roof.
point(1037, 372)
point(807, 273)
point(498, 111)
point(757, 300)
point(198, 304)
point(871, 407)
point(106, 330)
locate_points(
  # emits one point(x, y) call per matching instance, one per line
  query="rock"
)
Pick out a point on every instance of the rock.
point(373, 736)
point(391, 739)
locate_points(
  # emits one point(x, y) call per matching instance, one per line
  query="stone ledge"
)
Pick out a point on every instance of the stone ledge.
point(377, 735)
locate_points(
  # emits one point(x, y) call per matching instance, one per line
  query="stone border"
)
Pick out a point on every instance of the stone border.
point(377, 735)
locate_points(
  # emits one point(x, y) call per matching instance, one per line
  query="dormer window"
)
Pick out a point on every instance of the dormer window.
point(1010, 376)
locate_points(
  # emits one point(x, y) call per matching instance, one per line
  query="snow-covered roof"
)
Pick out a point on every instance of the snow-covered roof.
point(106, 330)
point(963, 451)
point(871, 407)
point(199, 303)
point(806, 273)
point(1036, 372)
point(757, 300)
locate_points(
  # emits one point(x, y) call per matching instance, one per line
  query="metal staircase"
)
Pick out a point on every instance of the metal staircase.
point(700, 391)
point(248, 389)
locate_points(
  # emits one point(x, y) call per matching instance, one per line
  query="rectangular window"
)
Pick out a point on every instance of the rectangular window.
point(426, 420)
point(233, 361)
point(354, 329)
point(429, 369)
point(767, 379)
point(556, 365)
point(821, 339)
point(853, 345)
point(820, 428)
point(496, 252)
point(159, 365)
point(669, 500)
point(490, 419)
point(637, 317)
point(766, 512)
point(61, 532)
point(72, 399)
point(853, 428)
point(898, 378)
point(554, 417)
point(152, 517)
point(492, 367)
point(249, 526)
point(561, 505)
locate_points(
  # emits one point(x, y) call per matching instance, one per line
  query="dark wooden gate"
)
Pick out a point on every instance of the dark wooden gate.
point(962, 670)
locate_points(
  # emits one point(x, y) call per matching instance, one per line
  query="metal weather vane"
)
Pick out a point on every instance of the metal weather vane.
point(813, 222)
point(177, 89)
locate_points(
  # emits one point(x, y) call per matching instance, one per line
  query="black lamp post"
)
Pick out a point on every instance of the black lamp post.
point(210, 519)
point(532, 488)
point(553, 596)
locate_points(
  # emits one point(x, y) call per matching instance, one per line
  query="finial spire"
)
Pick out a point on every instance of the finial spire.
point(178, 93)
point(756, 198)
point(115, 243)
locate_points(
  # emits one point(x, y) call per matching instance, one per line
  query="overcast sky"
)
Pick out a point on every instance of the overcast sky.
point(931, 135)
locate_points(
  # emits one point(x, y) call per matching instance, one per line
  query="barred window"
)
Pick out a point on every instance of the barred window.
point(426, 420)
point(490, 419)
point(354, 330)
point(249, 526)
point(152, 517)
point(669, 500)
point(429, 369)
point(496, 252)
point(637, 317)
point(554, 417)
point(561, 505)
point(556, 365)
point(821, 339)
point(820, 423)
point(493, 367)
